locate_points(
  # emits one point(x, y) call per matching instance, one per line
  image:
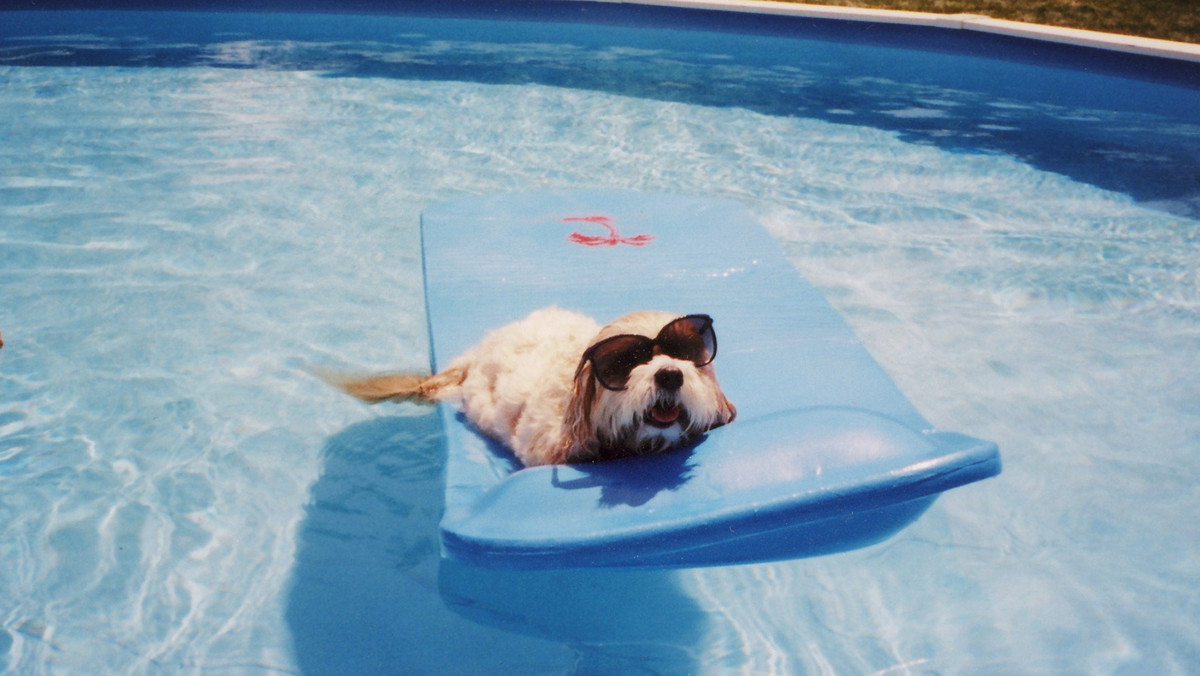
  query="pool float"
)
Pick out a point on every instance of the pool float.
point(826, 454)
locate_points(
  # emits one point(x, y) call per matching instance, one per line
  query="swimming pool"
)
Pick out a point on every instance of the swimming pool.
point(198, 210)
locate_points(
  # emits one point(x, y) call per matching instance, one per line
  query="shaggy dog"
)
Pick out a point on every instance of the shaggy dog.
point(558, 388)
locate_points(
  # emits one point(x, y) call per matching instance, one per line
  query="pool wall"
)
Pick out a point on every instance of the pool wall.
point(1131, 56)
point(1082, 87)
point(968, 22)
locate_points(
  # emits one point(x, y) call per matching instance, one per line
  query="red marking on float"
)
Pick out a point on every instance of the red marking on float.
point(613, 238)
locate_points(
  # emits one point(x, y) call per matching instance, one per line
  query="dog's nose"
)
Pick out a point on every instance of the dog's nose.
point(669, 378)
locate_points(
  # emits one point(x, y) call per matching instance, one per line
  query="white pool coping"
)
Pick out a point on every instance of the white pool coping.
point(971, 22)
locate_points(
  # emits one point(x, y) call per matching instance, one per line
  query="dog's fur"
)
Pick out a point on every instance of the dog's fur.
point(519, 386)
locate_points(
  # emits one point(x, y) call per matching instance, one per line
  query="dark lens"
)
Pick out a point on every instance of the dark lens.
point(690, 338)
point(615, 358)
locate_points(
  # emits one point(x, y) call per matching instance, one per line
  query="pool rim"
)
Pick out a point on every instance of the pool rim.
point(1076, 37)
point(1118, 43)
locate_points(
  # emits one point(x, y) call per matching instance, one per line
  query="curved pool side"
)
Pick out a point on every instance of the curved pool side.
point(977, 23)
point(1031, 71)
point(723, 10)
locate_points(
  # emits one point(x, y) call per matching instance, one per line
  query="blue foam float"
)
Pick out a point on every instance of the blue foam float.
point(826, 455)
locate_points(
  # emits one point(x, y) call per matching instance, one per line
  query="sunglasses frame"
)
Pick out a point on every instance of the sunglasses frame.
point(703, 323)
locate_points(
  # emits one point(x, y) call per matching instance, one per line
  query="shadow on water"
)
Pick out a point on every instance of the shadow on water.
point(618, 486)
point(371, 594)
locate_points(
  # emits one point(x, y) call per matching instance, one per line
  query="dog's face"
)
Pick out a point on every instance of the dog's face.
point(646, 384)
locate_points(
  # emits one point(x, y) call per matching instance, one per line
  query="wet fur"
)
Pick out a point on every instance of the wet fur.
point(520, 386)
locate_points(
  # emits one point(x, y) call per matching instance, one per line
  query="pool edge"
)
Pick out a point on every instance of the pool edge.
point(1129, 44)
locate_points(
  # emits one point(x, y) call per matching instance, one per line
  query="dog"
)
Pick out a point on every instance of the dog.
point(556, 387)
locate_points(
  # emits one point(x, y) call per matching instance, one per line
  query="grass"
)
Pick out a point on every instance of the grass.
point(1166, 19)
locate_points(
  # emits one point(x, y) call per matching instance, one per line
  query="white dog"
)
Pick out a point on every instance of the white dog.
point(557, 388)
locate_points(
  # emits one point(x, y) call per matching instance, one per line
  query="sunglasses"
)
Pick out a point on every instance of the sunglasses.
point(690, 338)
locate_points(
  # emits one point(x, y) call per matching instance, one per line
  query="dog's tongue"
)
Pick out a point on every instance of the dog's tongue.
point(663, 414)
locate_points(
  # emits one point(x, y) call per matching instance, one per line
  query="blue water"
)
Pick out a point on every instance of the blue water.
point(197, 212)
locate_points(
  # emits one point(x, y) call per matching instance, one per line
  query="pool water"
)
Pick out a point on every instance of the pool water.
point(197, 212)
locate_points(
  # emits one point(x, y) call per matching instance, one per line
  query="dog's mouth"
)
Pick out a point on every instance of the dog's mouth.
point(663, 414)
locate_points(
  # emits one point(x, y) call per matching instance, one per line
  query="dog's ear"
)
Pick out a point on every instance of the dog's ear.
point(581, 436)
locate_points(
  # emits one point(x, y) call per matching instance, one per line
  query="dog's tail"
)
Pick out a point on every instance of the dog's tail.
point(400, 386)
